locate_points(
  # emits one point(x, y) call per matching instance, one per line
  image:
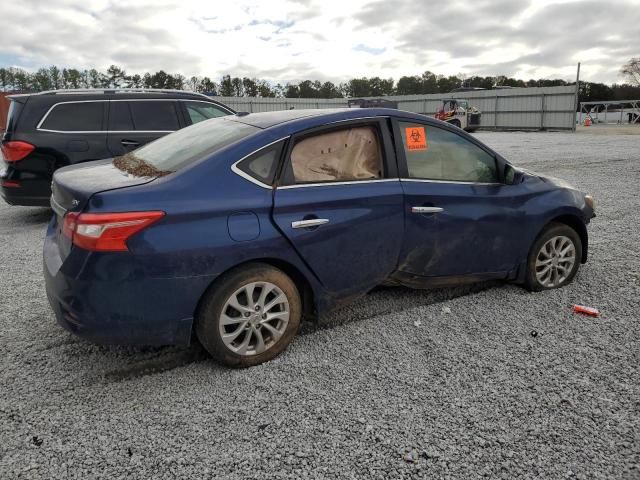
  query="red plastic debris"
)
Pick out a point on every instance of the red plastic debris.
point(594, 312)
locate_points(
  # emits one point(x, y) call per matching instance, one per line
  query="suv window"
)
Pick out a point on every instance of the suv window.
point(337, 156)
point(154, 115)
point(263, 164)
point(199, 111)
point(75, 117)
point(436, 154)
point(120, 117)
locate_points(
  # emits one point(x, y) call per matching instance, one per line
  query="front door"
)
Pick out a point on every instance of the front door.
point(339, 202)
point(460, 219)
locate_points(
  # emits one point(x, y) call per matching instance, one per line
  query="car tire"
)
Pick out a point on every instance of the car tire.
point(554, 258)
point(455, 123)
point(241, 332)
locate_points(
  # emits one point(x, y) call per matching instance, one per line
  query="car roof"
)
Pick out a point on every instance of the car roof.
point(270, 119)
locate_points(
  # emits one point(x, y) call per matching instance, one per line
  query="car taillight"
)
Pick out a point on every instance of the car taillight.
point(106, 232)
point(9, 184)
point(16, 151)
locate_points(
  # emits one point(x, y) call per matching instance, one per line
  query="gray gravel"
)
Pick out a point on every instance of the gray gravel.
point(461, 383)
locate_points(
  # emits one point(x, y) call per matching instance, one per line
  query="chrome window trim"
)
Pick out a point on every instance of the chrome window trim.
point(42, 120)
point(246, 176)
point(455, 182)
point(330, 184)
point(356, 119)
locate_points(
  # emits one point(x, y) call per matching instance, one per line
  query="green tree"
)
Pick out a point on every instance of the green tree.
point(250, 87)
point(237, 87)
point(55, 77)
point(226, 87)
point(291, 91)
point(207, 86)
point(329, 90)
point(265, 90)
point(115, 77)
point(409, 85)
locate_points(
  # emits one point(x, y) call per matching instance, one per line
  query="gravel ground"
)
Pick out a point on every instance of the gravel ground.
point(486, 381)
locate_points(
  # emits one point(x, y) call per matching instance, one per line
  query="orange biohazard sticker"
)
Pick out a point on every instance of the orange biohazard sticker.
point(416, 138)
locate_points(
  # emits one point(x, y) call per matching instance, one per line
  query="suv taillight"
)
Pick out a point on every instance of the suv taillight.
point(106, 232)
point(16, 150)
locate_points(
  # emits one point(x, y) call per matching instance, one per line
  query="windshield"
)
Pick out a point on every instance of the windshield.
point(176, 150)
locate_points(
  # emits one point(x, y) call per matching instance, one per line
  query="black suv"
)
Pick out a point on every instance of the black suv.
point(48, 130)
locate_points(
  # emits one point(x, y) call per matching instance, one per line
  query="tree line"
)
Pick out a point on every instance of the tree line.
point(53, 78)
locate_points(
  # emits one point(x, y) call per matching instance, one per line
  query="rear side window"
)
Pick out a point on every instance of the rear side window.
point(120, 117)
point(153, 116)
point(75, 117)
point(200, 111)
point(176, 150)
point(263, 164)
point(436, 154)
point(337, 156)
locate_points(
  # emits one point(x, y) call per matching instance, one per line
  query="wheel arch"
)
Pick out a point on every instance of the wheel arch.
point(576, 223)
point(307, 294)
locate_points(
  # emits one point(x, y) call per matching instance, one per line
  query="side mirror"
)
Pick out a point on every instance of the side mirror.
point(512, 176)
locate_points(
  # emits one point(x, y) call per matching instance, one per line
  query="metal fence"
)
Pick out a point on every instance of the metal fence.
point(552, 108)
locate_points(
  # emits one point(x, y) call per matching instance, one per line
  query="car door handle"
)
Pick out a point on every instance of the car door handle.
point(314, 222)
point(426, 209)
point(129, 143)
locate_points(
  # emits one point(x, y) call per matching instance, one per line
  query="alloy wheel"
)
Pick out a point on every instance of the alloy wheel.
point(254, 318)
point(555, 261)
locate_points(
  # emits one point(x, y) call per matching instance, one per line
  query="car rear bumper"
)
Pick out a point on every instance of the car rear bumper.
point(93, 300)
point(33, 192)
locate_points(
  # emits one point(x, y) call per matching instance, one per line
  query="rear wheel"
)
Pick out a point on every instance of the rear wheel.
point(249, 316)
point(554, 258)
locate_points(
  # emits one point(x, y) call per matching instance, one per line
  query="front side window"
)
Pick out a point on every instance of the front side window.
point(337, 156)
point(75, 117)
point(154, 116)
point(436, 154)
point(200, 111)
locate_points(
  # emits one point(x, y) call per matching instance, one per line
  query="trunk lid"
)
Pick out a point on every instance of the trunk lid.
point(73, 186)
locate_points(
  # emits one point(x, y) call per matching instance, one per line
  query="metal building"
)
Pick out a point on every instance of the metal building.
point(542, 108)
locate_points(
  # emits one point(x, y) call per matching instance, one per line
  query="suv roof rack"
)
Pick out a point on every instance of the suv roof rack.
point(80, 91)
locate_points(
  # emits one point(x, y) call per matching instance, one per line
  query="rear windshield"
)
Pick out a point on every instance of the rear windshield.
point(177, 150)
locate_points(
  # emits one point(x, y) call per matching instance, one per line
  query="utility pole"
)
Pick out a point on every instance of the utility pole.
point(575, 107)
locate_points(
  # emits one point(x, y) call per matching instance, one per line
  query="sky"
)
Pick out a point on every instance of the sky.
point(328, 40)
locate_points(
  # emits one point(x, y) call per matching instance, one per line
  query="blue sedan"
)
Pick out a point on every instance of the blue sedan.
point(236, 228)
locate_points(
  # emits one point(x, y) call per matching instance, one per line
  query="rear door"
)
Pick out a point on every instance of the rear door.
point(339, 202)
point(460, 219)
point(136, 122)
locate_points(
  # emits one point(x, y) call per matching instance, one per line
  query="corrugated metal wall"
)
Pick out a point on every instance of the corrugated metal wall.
point(4, 109)
point(516, 108)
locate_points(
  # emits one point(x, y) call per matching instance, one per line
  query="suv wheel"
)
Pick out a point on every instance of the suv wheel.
point(249, 316)
point(554, 258)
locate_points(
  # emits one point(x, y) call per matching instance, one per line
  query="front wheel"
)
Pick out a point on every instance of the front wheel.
point(554, 258)
point(249, 316)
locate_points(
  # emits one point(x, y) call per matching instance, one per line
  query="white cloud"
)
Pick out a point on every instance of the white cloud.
point(289, 40)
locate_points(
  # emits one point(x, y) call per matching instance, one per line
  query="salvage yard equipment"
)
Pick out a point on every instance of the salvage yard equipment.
point(459, 113)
